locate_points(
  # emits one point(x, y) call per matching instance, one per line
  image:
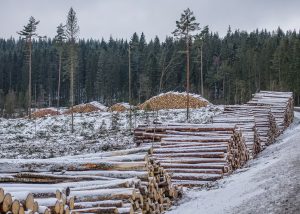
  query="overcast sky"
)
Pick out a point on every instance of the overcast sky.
point(121, 18)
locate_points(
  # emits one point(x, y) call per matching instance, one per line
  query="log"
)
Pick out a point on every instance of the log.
point(105, 203)
point(103, 194)
point(6, 203)
point(99, 210)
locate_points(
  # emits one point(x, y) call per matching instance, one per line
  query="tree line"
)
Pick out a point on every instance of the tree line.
point(233, 67)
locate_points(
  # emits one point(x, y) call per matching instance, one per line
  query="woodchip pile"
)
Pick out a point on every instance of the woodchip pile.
point(120, 107)
point(125, 181)
point(173, 100)
point(43, 112)
point(194, 154)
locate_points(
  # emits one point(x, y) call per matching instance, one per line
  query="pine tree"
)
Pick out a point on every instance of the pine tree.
point(72, 30)
point(185, 26)
point(28, 32)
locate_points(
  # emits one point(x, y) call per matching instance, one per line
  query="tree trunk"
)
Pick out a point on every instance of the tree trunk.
point(58, 87)
point(187, 76)
point(29, 80)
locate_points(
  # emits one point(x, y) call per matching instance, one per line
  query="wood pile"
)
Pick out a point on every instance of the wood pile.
point(281, 104)
point(85, 108)
point(173, 100)
point(265, 123)
point(194, 154)
point(124, 181)
point(120, 107)
point(43, 112)
point(246, 122)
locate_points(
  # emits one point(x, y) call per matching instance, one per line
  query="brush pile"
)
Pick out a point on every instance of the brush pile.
point(125, 181)
point(173, 100)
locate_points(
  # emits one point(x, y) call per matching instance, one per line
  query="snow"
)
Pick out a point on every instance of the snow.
point(49, 137)
point(268, 184)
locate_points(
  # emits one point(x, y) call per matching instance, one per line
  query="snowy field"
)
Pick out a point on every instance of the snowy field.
point(268, 184)
point(98, 131)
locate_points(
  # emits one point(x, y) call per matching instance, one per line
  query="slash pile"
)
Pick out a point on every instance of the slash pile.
point(125, 181)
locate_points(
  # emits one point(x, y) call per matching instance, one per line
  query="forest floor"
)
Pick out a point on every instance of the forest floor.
point(268, 184)
point(49, 137)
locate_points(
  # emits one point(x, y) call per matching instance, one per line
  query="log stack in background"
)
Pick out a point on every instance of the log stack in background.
point(120, 107)
point(43, 112)
point(194, 154)
point(124, 181)
point(173, 100)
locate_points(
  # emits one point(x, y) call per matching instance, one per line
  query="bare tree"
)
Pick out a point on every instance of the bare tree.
point(72, 30)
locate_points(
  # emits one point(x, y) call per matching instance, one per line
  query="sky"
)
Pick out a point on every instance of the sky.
point(121, 18)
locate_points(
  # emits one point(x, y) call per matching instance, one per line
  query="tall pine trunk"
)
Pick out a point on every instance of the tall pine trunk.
point(58, 86)
point(29, 79)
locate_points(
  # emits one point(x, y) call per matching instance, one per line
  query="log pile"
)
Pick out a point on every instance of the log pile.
point(43, 112)
point(281, 104)
point(86, 107)
point(194, 154)
point(244, 120)
point(125, 181)
point(120, 107)
point(265, 123)
point(173, 100)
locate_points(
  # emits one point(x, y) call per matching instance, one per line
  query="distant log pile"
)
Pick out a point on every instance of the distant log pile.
point(86, 107)
point(120, 107)
point(125, 181)
point(173, 100)
point(43, 112)
point(194, 154)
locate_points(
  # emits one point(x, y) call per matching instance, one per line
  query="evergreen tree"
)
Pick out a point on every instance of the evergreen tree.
point(184, 27)
point(28, 32)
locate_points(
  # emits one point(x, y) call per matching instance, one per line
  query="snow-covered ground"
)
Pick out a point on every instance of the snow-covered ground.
point(268, 184)
point(98, 131)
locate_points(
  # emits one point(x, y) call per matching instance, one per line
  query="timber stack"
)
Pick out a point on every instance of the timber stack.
point(124, 181)
point(194, 154)
point(245, 120)
point(281, 104)
point(265, 123)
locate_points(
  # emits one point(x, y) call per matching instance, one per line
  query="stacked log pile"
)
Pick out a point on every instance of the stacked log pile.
point(173, 100)
point(120, 107)
point(281, 104)
point(194, 154)
point(125, 181)
point(43, 112)
point(265, 123)
point(245, 120)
